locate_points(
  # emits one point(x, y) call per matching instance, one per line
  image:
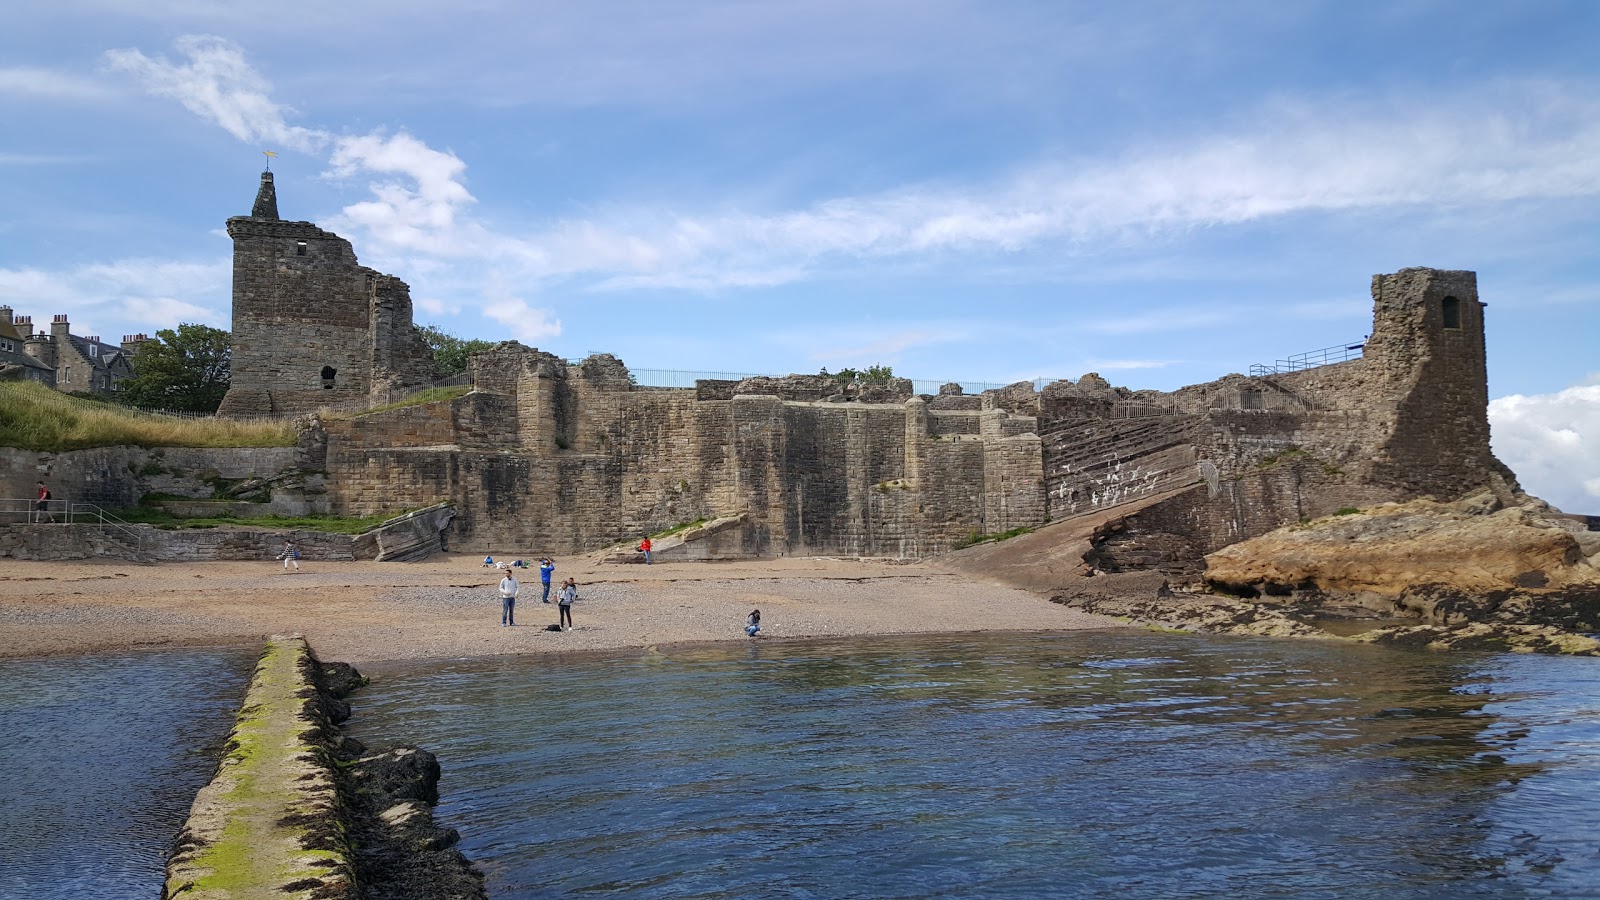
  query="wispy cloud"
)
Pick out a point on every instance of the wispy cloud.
point(1495, 143)
point(161, 293)
point(218, 84)
point(49, 84)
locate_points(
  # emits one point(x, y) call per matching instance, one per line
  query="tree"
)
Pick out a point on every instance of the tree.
point(450, 352)
point(184, 370)
point(872, 375)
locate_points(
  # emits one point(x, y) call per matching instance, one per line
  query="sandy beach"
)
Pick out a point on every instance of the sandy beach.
point(448, 606)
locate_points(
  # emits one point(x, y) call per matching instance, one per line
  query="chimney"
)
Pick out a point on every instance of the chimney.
point(131, 342)
point(5, 315)
point(24, 325)
point(58, 327)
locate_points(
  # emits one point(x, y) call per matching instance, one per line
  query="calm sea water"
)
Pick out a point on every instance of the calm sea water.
point(101, 756)
point(1081, 765)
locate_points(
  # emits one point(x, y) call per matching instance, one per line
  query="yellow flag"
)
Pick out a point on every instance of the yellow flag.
point(269, 152)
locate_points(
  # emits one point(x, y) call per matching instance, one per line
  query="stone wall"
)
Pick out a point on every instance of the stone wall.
point(554, 458)
point(115, 477)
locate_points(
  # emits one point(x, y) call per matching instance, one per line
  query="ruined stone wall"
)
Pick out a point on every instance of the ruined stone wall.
point(304, 307)
point(574, 458)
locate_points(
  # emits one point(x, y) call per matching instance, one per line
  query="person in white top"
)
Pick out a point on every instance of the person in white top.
point(569, 593)
point(508, 599)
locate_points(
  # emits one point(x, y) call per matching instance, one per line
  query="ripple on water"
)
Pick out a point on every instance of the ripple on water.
point(103, 757)
point(1013, 765)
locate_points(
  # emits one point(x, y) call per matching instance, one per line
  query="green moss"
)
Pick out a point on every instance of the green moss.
point(682, 526)
point(974, 537)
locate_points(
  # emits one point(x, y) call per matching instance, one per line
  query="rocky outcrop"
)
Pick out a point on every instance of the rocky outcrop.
point(1486, 636)
point(413, 536)
point(1444, 563)
point(1186, 610)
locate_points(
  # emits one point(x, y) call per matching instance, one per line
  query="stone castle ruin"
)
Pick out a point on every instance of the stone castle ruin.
point(543, 456)
point(311, 325)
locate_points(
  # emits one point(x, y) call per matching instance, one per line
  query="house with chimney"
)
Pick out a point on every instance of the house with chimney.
point(65, 361)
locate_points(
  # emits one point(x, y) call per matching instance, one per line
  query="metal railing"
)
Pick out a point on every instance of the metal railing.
point(24, 511)
point(1311, 359)
point(686, 378)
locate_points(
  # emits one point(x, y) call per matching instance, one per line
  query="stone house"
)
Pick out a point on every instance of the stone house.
point(65, 361)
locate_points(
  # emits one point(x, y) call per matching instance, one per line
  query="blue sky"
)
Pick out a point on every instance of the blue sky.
point(987, 191)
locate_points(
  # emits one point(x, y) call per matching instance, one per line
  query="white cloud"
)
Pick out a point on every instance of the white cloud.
point(123, 297)
point(216, 83)
point(526, 323)
point(1494, 143)
point(47, 84)
point(1552, 442)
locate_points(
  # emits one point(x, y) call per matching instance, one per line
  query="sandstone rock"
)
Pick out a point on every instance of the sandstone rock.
point(1486, 636)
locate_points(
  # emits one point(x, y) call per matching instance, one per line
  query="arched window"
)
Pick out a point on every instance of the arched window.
point(1452, 312)
point(328, 373)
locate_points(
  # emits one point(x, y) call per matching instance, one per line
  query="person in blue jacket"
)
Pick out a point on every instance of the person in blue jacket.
point(545, 568)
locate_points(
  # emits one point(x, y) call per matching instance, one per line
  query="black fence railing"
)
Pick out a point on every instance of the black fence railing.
point(1311, 359)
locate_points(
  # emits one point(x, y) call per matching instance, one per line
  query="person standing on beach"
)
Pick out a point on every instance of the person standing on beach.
point(752, 623)
point(545, 568)
point(290, 556)
point(508, 599)
point(568, 593)
point(41, 507)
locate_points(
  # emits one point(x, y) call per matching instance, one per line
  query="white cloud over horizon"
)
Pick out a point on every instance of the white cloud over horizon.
point(1552, 443)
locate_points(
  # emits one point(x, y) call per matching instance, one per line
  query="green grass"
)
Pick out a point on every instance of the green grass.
point(431, 395)
point(34, 417)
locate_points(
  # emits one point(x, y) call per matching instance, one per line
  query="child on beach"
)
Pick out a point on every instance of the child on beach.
point(752, 623)
point(290, 556)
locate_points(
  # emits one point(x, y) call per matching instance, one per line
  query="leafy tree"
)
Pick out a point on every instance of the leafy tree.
point(450, 352)
point(184, 370)
point(872, 375)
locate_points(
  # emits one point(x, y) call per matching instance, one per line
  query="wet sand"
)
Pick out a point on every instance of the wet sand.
point(449, 607)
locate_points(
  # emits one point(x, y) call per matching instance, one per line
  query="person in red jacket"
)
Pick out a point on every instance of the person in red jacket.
point(644, 547)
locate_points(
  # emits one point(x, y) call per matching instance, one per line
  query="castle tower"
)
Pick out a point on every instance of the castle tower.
point(1427, 351)
point(311, 325)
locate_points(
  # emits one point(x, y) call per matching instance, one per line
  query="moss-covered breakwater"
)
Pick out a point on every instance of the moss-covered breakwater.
point(298, 810)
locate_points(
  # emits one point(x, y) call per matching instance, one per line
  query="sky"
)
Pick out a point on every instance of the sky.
point(969, 190)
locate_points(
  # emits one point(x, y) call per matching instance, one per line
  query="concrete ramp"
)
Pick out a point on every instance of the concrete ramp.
point(720, 538)
point(1051, 558)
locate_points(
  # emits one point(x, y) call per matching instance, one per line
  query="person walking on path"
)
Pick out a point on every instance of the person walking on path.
point(545, 568)
point(752, 623)
point(644, 547)
point(290, 556)
point(41, 507)
point(568, 593)
point(508, 599)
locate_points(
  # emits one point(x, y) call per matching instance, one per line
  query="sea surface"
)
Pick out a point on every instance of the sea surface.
point(100, 757)
point(1090, 764)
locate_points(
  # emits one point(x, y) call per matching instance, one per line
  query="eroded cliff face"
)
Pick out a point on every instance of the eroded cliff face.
point(1445, 563)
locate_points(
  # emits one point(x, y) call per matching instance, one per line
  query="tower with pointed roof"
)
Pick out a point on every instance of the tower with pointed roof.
point(311, 325)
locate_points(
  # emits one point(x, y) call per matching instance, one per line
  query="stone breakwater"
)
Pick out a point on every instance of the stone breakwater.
point(298, 810)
